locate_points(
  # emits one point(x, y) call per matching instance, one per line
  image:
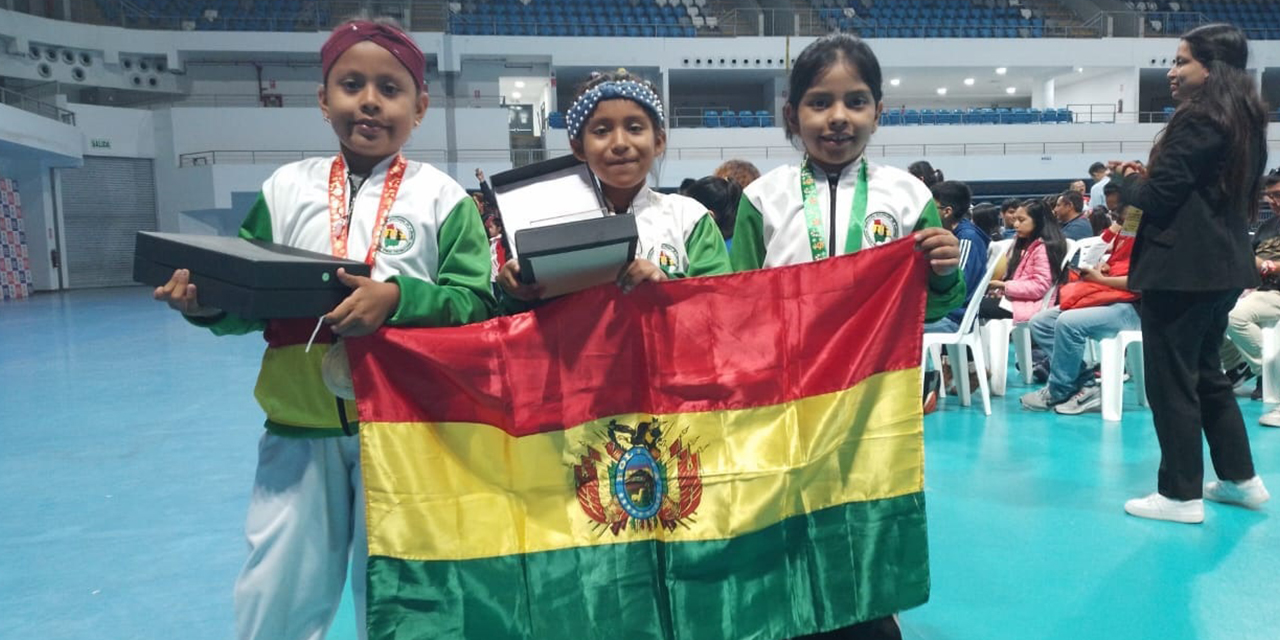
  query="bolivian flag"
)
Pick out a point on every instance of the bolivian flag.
point(714, 458)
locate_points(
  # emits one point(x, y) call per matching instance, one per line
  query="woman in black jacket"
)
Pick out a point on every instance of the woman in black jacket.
point(1191, 259)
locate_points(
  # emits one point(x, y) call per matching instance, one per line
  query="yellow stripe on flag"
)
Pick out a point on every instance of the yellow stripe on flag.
point(457, 491)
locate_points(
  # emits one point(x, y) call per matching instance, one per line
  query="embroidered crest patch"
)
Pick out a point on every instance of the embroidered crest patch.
point(879, 228)
point(397, 236)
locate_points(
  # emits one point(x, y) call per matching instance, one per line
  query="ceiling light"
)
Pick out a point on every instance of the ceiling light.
point(942, 91)
point(968, 82)
point(515, 94)
point(1001, 71)
point(1079, 69)
point(895, 81)
point(519, 84)
point(1011, 90)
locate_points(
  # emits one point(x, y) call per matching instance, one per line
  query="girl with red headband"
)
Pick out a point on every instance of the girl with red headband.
point(423, 237)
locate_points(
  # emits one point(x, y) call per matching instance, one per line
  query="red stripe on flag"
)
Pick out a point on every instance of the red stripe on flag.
point(702, 344)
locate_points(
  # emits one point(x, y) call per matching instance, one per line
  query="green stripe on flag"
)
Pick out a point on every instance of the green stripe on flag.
point(688, 591)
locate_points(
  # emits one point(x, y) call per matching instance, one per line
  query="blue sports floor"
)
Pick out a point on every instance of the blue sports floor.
point(128, 451)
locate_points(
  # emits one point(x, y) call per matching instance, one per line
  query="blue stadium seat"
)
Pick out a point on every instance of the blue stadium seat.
point(927, 116)
point(711, 118)
point(748, 119)
point(911, 116)
point(728, 119)
point(765, 118)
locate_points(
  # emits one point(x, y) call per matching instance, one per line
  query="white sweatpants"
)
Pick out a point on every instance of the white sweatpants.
point(305, 526)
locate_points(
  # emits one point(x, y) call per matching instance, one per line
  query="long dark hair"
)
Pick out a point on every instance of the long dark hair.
point(1048, 232)
point(1229, 99)
point(720, 196)
point(925, 172)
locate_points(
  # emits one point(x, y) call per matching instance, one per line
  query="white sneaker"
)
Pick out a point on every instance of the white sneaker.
point(1158, 507)
point(1089, 398)
point(1270, 418)
point(1248, 493)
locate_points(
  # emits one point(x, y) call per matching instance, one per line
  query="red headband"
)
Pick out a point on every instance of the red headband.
point(397, 42)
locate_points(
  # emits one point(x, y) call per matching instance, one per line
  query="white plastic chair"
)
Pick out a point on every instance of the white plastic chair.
point(1112, 353)
point(997, 333)
point(965, 338)
point(1271, 364)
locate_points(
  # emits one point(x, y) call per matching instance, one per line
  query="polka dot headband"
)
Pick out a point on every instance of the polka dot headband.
point(631, 90)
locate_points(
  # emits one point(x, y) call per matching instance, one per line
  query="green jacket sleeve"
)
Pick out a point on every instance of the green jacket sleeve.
point(707, 255)
point(256, 226)
point(945, 292)
point(461, 293)
point(748, 238)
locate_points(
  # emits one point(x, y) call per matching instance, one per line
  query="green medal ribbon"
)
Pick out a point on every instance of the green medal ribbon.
point(813, 212)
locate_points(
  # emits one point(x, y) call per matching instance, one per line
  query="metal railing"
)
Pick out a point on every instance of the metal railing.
point(434, 156)
point(434, 15)
point(195, 15)
point(38, 107)
point(520, 157)
point(812, 22)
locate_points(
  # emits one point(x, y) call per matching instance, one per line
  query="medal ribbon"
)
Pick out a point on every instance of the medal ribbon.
point(813, 211)
point(339, 217)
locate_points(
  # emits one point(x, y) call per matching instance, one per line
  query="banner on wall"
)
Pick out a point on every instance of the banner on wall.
point(15, 264)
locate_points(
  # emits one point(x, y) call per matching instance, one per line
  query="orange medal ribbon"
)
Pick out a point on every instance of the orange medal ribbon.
point(339, 220)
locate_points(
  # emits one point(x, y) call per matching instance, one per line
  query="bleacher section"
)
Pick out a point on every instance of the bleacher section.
point(577, 18)
point(892, 117)
point(713, 119)
point(929, 19)
point(222, 15)
point(1260, 19)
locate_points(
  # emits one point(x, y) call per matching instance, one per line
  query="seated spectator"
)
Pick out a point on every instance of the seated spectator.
point(1098, 306)
point(1007, 209)
point(1070, 213)
point(739, 171)
point(953, 200)
point(1111, 197)
point(986, 217)
point(1099, 220)
point(925, 172)
point(1242, 352)
point(720, 196)
point(1035, 260)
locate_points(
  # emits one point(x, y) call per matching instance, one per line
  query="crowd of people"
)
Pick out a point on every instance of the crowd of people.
point(1178, 259)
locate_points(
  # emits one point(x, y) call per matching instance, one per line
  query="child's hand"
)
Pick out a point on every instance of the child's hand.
point(1090, 275)
point(366, 309)
point(941, 247)
point(180, 294)
point(509, 280)
point(639, 271)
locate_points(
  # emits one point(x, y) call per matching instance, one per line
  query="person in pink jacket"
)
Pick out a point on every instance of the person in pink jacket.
point(1035, 260)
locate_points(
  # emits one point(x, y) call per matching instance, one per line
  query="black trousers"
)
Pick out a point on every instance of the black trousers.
point(990, 309)
point(1181, 334)
point(885, 628)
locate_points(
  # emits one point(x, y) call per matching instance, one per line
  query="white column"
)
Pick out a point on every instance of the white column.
point(1042, 96)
